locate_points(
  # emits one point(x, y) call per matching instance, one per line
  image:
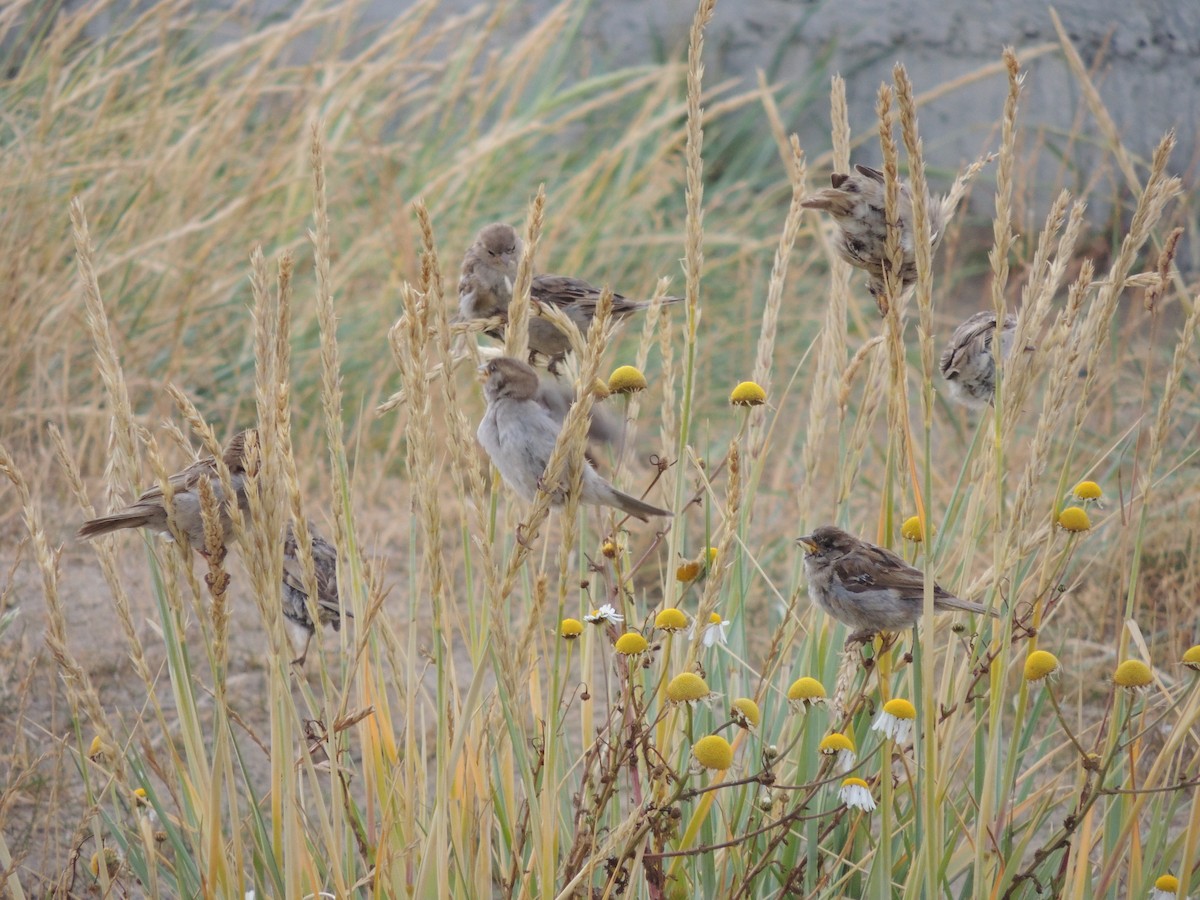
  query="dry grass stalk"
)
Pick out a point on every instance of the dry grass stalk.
point(770, 316)
point(122, 456)
point(516, 334)
point(831, 344)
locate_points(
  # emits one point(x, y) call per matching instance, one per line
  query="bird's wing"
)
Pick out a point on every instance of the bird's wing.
point(879, 569)
point(325, 563)
point(873, 174)
point(975, 333)
point(183, 480)
point(563, 290)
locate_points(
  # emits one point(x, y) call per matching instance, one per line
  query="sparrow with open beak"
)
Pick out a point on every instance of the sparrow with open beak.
point(867, 587)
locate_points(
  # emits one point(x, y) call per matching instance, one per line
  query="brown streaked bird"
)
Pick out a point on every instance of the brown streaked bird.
point(489, 269)
point(856, 202)
point(967, 362)
point(300, 627)
point(867, 587)
point(485, 289)
point(519, 435)
point(148, 510)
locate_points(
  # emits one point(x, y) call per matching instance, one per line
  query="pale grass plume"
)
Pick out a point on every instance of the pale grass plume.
point(1002, 234)
point(779, 269)
point(831, 343)
point(1045, 278)
point(121, 451)
point(1062, 380)
point(921, 234)
point(516, 333)
point(654, 322)
point(874, 392)
point(693, 261)
point(891, 290)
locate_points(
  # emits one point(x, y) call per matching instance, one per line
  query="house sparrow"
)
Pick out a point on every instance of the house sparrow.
point(148, 510)
point(967, 362)
point(856, 202)
point(869, 588)
point(485, 289)
point(300, 626)
point(489, 269)
point(519, 435)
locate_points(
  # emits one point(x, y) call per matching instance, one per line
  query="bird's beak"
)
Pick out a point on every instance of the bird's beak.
point(806, 542)
point(481, 373)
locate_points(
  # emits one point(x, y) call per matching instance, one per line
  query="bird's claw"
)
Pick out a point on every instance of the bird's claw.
point(862, 636)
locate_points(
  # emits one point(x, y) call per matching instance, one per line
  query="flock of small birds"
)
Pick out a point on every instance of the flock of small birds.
point(858, 583)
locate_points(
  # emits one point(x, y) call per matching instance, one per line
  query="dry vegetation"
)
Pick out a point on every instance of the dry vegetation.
point(449, 742)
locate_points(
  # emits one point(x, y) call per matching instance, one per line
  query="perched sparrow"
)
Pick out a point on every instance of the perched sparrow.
point(856, 202)
point(519, 435)
point(148, 510)
point(300, 626)
point(578, 300)
point(867, 587)
point(485, 289)
point(489, 269)
point(968, 364)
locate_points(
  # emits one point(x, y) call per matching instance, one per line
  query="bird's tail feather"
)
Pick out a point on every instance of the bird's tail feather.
point(965, 606)
point(639, 509)
point(106, 524)
point(830, 200)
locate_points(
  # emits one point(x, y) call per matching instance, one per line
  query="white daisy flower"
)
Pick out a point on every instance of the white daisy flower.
point(896, 719)
point(716, 631)
point(857, 795)
point(841, 748)
point(1165, 888)
point(606, 613)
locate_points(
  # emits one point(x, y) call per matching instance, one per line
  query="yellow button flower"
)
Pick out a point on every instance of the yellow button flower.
point(670, 619)
point(1191, 658)
point(1040, 665)
point(748, 394)
point(1134, 675)
point(631, 644)
point(626, 380)
point(1074, 519)
point(713, 752)
point(804, 692)
point(841, 747)
point(856, 794)
point(911, 530)
point(687, 687)
point(570, 628)
point(745, 713)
